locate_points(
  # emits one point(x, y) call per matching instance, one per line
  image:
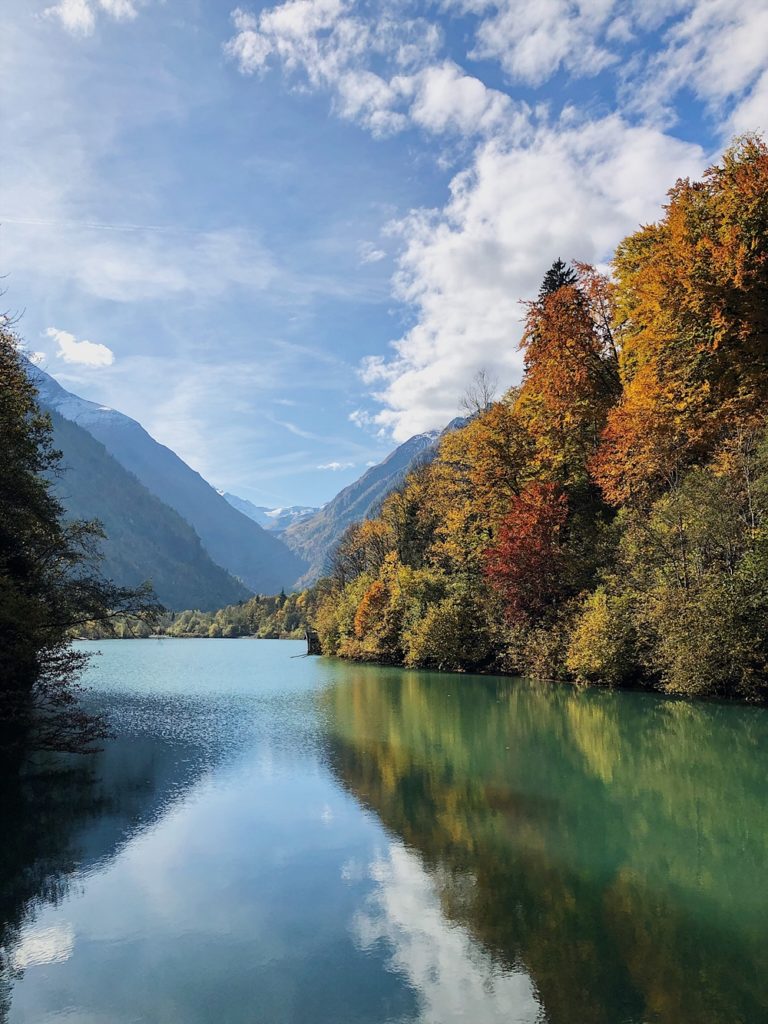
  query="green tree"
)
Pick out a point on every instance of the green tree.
point(49, 582)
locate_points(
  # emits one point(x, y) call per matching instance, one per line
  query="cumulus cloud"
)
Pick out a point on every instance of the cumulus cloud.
point(572, 193)
point(325, 45)
point(83, 353)
point(536, 184)
point(334, 467)
point(78, 17)
point(533, 41)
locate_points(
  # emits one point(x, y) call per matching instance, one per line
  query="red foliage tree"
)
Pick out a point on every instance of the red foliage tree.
point(527, 564)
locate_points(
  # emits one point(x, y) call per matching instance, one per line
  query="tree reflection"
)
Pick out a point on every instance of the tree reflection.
point(61, 815)
point(612, 845)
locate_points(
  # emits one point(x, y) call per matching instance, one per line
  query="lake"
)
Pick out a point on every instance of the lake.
point(275, 839)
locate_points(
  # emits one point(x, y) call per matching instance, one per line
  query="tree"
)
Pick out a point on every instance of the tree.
point(480, 394)
point(693, 327)
point(571, 376)
point(559, 275)
point(527, 564)
point(49, 585)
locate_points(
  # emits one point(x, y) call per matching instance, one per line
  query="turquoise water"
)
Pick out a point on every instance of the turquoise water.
point(274, 839)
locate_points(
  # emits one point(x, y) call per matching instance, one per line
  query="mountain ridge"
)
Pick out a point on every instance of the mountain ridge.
point(314, 538)
point(273, 519)
point(145, 538)
point(233, 541)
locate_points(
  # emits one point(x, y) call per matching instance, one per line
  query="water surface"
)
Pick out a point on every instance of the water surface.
point(282, 840)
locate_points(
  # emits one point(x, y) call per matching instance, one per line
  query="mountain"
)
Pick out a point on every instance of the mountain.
point(232, 540)
point(145, 538)
point(314, 538)
point(274, 519)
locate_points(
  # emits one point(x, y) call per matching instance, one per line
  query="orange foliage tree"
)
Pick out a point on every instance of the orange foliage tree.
point(571, 371)
point(693, 326)
point(527, 564)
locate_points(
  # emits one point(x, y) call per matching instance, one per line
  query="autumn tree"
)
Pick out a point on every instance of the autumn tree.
point(527, 564)
point(361, 548)
point(571, 371)
point(690, 302)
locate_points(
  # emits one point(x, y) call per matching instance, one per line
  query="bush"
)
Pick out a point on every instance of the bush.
point(452, 635)
point(602, 647)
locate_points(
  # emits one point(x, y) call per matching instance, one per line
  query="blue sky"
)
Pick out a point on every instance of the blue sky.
point(292, 233)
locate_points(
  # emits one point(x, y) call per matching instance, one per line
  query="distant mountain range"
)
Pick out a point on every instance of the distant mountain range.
point(201, 548)
point(233, 541)
point(274, 519)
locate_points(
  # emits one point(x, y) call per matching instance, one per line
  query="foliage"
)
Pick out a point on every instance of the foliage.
point(278, 616)
point(528, 565)
point(606, 521)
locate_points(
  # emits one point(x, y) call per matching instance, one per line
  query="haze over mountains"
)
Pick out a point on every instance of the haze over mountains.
point(274, 519)
point(146, 539)
point(200, 547)
point(233, 541)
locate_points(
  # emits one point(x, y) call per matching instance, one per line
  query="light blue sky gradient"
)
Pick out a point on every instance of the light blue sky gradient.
point(299, 230)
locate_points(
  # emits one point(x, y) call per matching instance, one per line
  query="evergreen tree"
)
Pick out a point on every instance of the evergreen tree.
point(559, 275)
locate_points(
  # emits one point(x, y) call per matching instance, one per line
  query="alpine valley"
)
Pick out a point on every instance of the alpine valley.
point(199, 547)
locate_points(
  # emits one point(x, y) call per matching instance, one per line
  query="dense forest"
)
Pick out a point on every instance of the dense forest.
point(607, 520)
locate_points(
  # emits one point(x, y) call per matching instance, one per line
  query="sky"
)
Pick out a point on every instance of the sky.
point(285, 237)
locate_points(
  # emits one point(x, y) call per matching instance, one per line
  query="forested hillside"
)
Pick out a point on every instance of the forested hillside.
point(145, 539)
point(314, 538)
point(606, 521)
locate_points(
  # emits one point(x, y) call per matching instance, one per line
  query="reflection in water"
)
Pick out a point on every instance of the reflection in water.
point(455, 978)
point(66, 817)
point(279, 841)
point(614, 846)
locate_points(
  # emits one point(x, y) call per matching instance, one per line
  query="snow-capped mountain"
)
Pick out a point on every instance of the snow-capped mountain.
point(274, 519)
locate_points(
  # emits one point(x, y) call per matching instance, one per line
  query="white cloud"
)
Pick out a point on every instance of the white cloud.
point(532, 41)
point(717, 50)
point(445, 99)
point(574, 192)
point(369, 253)
point(336, 466)
point(121, 10)
point(78, 17)
point(333, 50)
point(83, 353)
point(751, 114)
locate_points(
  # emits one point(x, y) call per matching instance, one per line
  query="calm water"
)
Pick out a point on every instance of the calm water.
point(280, 840)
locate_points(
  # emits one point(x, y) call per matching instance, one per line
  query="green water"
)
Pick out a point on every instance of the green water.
point(279, 840)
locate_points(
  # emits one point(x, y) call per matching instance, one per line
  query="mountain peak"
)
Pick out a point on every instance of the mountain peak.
point(233, 540)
